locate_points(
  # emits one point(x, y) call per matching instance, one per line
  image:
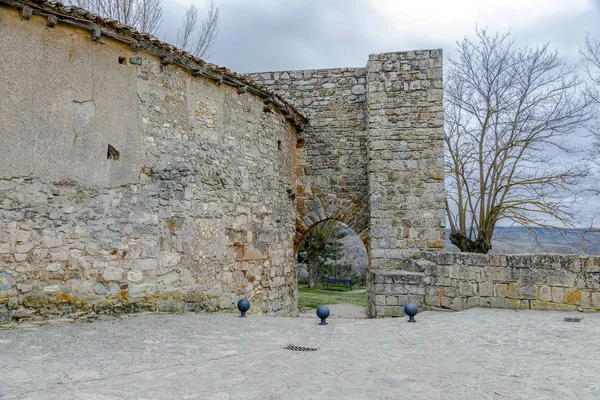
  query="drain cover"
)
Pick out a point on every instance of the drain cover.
point(570, 319)
point(299, 348)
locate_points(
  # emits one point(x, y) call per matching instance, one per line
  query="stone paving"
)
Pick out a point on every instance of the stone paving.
point(474, 354)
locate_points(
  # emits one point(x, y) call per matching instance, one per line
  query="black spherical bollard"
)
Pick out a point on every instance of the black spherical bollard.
point(411, 310)
point(323, 313)
point(243, 306)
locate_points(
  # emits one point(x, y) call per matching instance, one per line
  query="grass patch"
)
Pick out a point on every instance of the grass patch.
point(312, 298)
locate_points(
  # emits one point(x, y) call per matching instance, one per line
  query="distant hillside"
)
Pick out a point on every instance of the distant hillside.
point(519, 240)
point(507, 239)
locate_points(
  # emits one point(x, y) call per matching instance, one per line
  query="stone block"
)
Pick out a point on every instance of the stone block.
point(410, 298)
point(474, 259)
point(380, 300)
point(389, 311)
point(471, 302)
point(499, 274)
point(169, 259)
point(464, 272)
point(498, 260)
point(448, 291)
point(112, 274)
point(501, 290)
point(404, 289)
point(485, 302)
point(135, 276)
point(544, 294)
point(6, 281)
point(501, 302)
point(595, 301)
point(560, 277)
point(21, 257)
point(52, 288)
point(558, 295)
point(445, 302)
point(572, 263)
point(442, 281)
point(457, 304)
point(594, 266)
point(565, 307)
point(391, 301)
point(467, 288)
point(574, 296)
point(486, 289)
point(519, 260)
point(542, 305)
point(146, 264)
point(434, 301)
point(442, 271)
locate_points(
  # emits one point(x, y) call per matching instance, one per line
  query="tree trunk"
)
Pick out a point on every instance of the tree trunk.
point(482, 244)
point(313, 268)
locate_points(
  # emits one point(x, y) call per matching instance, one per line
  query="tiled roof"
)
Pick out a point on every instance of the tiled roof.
point(169, 54)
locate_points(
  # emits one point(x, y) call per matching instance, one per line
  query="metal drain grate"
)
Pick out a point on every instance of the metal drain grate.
point(299, 348)
point(570, 319)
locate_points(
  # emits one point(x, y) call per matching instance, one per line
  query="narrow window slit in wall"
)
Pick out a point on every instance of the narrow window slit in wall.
point(279, 145)
point(112, 153)
point(123, 60)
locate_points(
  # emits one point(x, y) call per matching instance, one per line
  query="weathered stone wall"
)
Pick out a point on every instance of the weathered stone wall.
point(406, 153)
point(195, 213)
point(332, 150)
point(372, 153)
point(458, 281)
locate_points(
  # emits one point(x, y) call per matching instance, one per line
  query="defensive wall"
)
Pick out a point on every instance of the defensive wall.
point(135, 176)
point(373, 156)
point(457, 281)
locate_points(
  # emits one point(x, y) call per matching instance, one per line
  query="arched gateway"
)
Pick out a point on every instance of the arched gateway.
point(371, 156)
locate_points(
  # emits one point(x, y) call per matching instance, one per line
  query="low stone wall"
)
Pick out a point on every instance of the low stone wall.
point(457, 281)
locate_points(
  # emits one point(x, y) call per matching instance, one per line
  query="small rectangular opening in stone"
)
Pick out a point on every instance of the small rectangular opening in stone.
point(279, 145)
point(112, 153)
point(123, 60)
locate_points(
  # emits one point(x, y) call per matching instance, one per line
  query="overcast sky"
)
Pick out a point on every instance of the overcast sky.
point(269, 35)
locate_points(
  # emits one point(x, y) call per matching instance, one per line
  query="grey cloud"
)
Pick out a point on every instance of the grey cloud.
point(277, 35)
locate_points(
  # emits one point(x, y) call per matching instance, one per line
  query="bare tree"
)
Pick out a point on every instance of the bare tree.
point(144, 15)
point(196, 38)
point(591, 61)
point(508, 116)
point(320, 246)
point(591, 54)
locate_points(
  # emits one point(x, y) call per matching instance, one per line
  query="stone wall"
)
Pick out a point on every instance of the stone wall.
point(406, 171)
point(372, 153)
point(192, 212)
point(457, 281)
point(332, 149)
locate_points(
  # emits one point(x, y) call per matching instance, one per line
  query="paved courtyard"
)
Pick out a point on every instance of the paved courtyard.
point(475, 354)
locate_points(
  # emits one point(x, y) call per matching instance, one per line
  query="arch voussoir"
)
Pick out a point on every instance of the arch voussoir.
point(321, 207)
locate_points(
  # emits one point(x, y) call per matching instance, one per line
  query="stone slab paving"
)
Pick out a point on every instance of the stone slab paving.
point(474, 354)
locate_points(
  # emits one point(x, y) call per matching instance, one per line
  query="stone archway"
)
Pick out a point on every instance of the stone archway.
point(316, 209)
point(372, 157)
